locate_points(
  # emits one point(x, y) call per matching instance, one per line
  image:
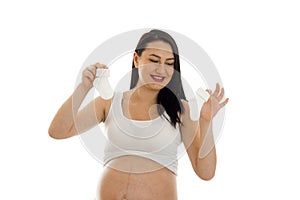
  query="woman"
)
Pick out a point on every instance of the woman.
point(141, 160)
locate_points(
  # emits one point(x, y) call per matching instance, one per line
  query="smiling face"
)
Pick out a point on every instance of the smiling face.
point(155, 65)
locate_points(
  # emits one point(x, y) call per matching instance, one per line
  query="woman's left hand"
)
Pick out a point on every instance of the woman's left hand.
point(211, 107)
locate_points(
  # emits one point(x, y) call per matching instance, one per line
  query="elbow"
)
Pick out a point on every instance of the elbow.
point(206, 169)
point(55, 134)
point(206, 175)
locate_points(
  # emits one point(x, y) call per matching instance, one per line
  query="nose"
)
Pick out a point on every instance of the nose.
point(160, 68)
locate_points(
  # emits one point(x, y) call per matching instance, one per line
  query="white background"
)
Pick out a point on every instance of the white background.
point(255, 46)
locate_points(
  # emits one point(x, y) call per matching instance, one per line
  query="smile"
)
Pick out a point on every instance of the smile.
point(158, 78)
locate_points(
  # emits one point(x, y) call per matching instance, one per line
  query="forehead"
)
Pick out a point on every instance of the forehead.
point(159, 47)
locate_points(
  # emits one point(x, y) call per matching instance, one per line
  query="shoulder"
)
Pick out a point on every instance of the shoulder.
point(186, 108)
point(185, 105)
point(191, 111)
point(103, 105)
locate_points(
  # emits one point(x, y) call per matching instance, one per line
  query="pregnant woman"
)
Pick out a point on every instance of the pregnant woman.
point(144, 125)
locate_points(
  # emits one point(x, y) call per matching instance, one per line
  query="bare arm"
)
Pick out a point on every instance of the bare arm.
point(198, 136)
point(68, 121)
point(204, 150)
point(194, 133)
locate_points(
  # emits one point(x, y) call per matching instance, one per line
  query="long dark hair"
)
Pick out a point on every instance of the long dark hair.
point(170, 96)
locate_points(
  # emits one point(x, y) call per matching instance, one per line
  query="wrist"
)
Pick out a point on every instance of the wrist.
point(84, 88)
point(205, 120)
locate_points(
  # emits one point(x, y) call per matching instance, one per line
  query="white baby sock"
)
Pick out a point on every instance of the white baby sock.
point(102, 84)
point(197, 102)
point(203, 95)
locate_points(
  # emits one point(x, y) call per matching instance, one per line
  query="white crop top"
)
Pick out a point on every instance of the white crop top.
point(154, 139)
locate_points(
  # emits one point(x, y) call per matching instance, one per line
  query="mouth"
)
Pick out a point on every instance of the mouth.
point(157, 78)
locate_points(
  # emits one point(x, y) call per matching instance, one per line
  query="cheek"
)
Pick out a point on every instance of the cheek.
point(146, 68)
point(143, 71)
point(170, 72)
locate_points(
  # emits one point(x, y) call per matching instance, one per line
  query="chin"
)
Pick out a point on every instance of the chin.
point(154, 86)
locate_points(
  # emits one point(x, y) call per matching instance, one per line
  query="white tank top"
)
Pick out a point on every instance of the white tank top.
point(154, 139)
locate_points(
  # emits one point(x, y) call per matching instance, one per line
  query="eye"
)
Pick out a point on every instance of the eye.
point(170, 64)
point(152, 60)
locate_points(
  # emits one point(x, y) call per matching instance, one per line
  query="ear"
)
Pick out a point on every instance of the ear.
point(136, 60)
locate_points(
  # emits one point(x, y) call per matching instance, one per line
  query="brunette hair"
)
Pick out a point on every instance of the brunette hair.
point(170, 96)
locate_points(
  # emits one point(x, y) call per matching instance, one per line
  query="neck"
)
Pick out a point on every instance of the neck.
point(145, 95)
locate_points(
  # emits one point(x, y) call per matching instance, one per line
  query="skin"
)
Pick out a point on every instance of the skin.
point(140, 104)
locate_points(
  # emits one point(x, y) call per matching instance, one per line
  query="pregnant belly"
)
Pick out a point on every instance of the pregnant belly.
point(116, 184)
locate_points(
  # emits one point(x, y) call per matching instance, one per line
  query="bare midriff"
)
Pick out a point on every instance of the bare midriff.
point(136, 178)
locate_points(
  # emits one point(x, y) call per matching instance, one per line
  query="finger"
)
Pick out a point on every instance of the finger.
point(89, 75)
point(220, 97)
point(209, 91)
point(217, 90)
point(101, 66)
point(224, 102)
point(92, 69)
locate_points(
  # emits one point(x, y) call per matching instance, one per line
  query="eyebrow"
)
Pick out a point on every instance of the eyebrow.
point(160, 57)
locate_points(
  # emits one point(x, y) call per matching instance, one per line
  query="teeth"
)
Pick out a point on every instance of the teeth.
point(158, 77)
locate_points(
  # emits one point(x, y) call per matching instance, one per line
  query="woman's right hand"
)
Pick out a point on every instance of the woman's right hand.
point(89, 74)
